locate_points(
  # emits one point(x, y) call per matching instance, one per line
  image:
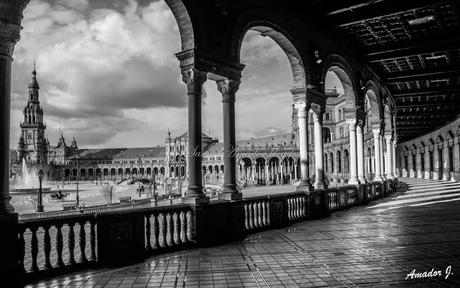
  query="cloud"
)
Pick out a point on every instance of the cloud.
point(93, 64)
point(109, 77)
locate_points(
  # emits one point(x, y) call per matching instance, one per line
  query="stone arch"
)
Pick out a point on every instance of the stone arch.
point(387, 119)
point(343, 70)
point(184, 22)
point(270, 25)
point(373, 107)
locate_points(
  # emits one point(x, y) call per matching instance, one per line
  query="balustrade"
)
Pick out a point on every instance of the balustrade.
point(71, 241)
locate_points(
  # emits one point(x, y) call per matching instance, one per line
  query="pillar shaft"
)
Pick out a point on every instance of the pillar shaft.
point(5, 98)
point(302, 116)
point(353, 154)
point(9, 34)
point(318, 133)
point(360, 151)
point(228, 89)
point(393, 145)
point(389, 158)
point(378, 167)
point(194, 80)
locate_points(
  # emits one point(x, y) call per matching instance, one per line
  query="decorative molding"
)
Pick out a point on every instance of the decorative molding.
point(9, 36)
point(194, 80)
point(228, 89)
point(308, 94)
point(199, 60)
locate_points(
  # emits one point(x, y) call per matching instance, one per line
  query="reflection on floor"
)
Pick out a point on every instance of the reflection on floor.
point(373, 246)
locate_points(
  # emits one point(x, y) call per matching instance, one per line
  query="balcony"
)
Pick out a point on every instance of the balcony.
point(63, 243)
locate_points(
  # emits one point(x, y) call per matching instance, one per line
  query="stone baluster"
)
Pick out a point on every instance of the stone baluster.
point(47, 246)
point(183, 227)
point(59, 245)
point(82, 242)
point(21, 249)
point(92, 239)
point(34, 248)
point(148, 231)
point(71, 243)
point(176, 223)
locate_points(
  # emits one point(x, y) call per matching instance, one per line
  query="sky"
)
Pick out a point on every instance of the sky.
point(108, 76)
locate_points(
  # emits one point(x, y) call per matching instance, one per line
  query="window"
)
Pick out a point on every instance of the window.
point(327, 116)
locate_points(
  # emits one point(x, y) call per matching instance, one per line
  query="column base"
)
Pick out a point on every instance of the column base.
point(362, 180)
point(230, 196)
point(389, 176)
point(378, 179)
point(195, 200)
point(304, 185)
point(319, 184)
point(353, 181)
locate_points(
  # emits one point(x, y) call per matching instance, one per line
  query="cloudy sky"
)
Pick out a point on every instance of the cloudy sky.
point(109, 77)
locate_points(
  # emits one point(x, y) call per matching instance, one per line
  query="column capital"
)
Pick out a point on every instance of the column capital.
point(352, 123)
point(9, 36)
point(318, 110)
point(228, 89)
point(10, 25)
point(194, 79)
point(302, 109)
point(388, 137)
point(376, 132)
point(308, 94)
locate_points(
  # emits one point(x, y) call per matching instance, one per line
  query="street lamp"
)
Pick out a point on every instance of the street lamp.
point(78, 195)
point(139, 168)
point(40, 197)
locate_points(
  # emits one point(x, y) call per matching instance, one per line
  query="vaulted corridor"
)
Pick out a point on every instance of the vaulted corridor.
point(376, 245)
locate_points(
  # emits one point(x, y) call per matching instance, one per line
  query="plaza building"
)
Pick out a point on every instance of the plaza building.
point(269, 160)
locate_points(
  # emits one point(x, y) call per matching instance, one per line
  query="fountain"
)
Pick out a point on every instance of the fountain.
point(28, 181)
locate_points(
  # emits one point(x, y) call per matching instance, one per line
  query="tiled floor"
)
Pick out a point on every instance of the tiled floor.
point(369, 246)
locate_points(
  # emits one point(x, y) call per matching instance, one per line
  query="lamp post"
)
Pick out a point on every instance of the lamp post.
point(78, 195)
point(138, 182)
point(40, 197)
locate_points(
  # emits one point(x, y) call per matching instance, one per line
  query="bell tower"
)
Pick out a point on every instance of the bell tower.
point(32, 141)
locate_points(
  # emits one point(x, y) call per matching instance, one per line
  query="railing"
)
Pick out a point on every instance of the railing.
point(56, 243)
point(256, 213)
point(342, 197)
point(168, 227)
point(73, 241)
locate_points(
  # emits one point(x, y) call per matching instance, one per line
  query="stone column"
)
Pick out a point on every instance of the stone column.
point(456, 159)
point(419, 159)
point(389, 158)
point(318, 134)
point(302, 117)
point(427, 163)
point(393, 145)
point(194, 80)
point(360, 151)
point(378, 166)
point(353, 154)
point(228, 89)
point(446, 164)
point(295, 172)
point(382, 156)
point(10, 26)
